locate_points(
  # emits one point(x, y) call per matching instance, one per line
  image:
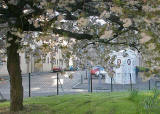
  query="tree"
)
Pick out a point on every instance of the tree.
point(115, 23)
point(13, 16)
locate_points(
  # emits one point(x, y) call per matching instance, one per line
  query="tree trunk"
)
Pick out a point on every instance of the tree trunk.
point(14, 70)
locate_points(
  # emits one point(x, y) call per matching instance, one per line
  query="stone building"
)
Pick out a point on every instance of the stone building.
point(31, 63)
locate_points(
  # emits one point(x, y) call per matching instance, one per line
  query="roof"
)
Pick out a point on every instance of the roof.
point(131, 53)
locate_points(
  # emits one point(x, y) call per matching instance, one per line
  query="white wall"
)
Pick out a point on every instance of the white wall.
point(59, 59)
point(31, 67)
point(23, 63)
point(27, 67)
point(47, 64)
point(3, 69)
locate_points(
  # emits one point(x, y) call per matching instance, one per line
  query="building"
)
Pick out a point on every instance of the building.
point(58, 60)
point(127, 60)
point(30, 63)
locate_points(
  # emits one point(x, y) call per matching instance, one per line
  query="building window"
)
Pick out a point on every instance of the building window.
point(44, 59)
point(48, 59)
point(1, 63)
point(57, 61)
point(54, 62)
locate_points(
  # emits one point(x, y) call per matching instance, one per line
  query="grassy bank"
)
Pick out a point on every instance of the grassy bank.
point(96, 103)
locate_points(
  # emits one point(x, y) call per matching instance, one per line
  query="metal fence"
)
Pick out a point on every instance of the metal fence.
point(47, 84)
point(98, 84)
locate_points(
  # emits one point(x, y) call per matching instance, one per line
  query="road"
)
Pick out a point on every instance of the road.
point(45, 84)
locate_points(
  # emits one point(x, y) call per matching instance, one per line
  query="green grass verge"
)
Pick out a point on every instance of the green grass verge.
point(95, 103)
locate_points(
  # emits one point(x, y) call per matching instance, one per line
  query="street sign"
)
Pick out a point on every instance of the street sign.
point(129, 61)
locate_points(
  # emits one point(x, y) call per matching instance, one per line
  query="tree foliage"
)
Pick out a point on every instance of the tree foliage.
point(79, 26)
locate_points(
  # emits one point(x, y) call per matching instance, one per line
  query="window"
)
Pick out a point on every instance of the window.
point(44, 59)
point(1, 63)
point(54, 62)
point(48, 60)
point(57, 61)
point(27, 57)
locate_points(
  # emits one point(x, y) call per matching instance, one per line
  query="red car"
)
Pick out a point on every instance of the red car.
point(98, 70)
point(93, 71)
point(56, 69)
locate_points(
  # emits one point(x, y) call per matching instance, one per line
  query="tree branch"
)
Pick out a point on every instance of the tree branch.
point(77, 36)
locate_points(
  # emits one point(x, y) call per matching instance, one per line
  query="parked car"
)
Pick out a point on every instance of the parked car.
point(57, 69)
point(71, 68)
point(98, 70)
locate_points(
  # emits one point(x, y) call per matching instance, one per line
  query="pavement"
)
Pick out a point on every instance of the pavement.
point(25, 75)
point(102, 86)
point(45, 84)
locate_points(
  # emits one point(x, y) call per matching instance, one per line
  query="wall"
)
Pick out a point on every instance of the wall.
point(27, 67)
point(23, 63)
point(3, 69)
point(59, 61)
point(32, 66)
point(47, 64)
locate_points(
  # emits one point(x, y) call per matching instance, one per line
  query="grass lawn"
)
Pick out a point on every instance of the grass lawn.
point(95, 103)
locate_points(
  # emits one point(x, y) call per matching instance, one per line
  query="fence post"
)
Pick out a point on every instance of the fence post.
point(91, 83)
point(130, 81)
point(89, 80)
point(86, 74)
point(29, 79)
point(111, 84)
point(149, 85)
point(57, 85)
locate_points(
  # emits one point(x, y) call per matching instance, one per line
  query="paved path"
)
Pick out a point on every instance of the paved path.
point(140, 85)
point(45, 84)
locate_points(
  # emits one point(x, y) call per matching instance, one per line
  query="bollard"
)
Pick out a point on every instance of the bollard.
point(86, 74)
point(29, 79)
point(57, 84)
point(149, 85)
point(89, 85)
point(111, 84)
point(131, 81)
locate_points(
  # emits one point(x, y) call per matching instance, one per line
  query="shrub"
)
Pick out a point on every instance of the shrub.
point(151, 103)
point(141, 69)
point(133, 95)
